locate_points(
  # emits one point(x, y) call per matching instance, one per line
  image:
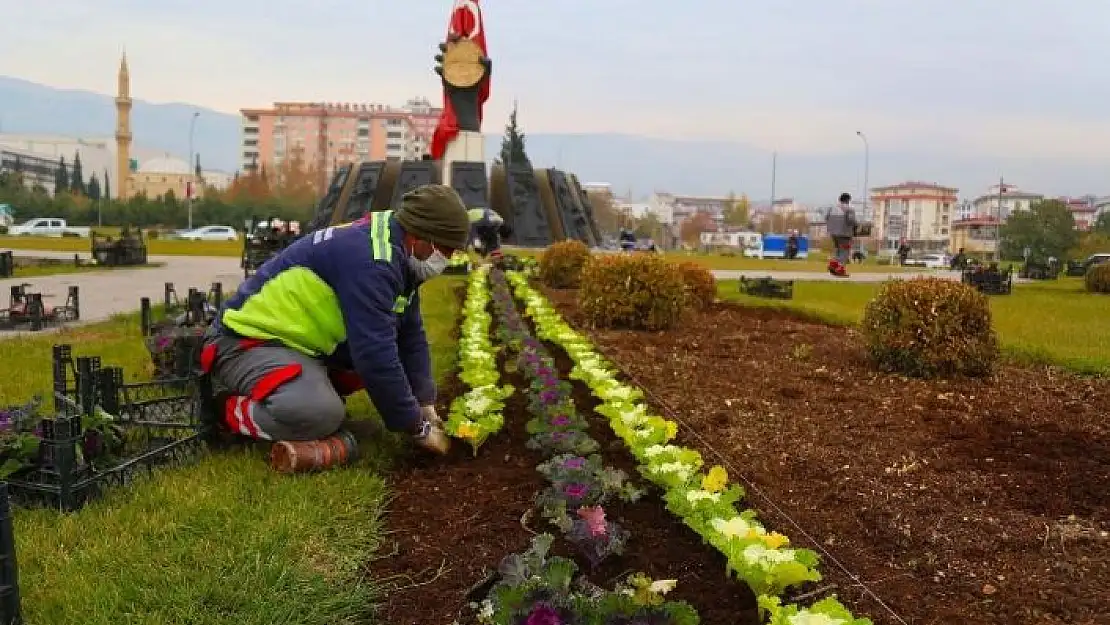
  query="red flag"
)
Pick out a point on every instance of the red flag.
point(466, 23)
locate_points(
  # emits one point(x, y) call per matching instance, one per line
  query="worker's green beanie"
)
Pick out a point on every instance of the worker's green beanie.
point(435, 213)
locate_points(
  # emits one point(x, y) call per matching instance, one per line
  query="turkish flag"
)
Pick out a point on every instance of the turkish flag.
point(466, 23)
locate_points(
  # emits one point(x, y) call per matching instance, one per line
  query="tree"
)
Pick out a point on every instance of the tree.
point(197, 170)
point(61, 177)
point(107, 190)
point(94, 188)
point(1102, 224)
point(1046, 229)
point(691, 229)
point(648, 226)
point(77, 179)
point(604, 209)
point(737, 212)
point(295, 181)
point(512, 144)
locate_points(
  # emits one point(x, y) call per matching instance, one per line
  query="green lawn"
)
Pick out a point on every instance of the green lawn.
point(38, 271)
point(167, 247)
point(222, 541)
point(1047, 322)
point(818, 261)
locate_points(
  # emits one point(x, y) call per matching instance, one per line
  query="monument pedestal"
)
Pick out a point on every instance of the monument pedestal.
point(466, 147)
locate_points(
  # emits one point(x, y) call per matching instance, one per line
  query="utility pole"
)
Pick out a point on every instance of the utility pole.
point(998, 219)
point(774, 177)
point(866, 182)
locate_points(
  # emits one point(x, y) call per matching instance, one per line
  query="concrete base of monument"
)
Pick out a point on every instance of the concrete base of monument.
point(467, 147)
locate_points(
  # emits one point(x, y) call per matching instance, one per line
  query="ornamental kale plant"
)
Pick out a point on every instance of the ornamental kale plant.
point(535, 588)
point(596, 537)
point(20, 434)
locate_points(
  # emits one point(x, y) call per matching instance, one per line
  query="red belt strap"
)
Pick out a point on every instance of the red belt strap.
point(208, 352)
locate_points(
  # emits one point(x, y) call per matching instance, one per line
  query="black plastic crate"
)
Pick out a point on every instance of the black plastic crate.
point(174, 340)
point(105, 432)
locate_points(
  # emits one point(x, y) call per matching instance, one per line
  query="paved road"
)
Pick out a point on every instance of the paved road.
point(107, 293)
point(110, 292)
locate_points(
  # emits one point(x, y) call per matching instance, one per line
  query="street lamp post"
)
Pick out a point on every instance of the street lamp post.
point(866, 174)
point(189, 189)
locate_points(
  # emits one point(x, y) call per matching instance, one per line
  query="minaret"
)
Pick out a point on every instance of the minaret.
point(123, 132)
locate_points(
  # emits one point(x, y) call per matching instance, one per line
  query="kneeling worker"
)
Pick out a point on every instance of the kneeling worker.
point(336, 312)
point(485, 228)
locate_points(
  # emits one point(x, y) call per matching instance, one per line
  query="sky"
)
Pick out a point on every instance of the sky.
point(976, 78)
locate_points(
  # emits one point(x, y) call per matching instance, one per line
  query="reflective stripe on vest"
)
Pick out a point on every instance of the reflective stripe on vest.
point(400, 304)
point(379, 236)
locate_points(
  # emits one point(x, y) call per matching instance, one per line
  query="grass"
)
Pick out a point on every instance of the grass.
point(221, 541)
point(155, 247)
point(1054, 322)
point(817, 262)
point(38, 271)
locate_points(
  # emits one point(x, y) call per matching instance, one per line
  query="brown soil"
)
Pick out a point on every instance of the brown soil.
point(971, 501)
point(453, 520)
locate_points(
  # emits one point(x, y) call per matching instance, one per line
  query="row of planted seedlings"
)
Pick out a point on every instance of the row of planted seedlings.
point(703, 500)
point(536, 587)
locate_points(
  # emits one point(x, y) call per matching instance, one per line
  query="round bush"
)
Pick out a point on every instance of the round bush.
point(635, 291)
point(701, 286)
point(561, 265)
point(930, 327)
point(1097, 278)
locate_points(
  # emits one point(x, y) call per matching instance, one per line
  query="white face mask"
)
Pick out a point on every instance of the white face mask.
point(428, 268)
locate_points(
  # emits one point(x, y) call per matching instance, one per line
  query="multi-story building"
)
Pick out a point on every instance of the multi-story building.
point(918, 212)
point(1084, 210)
point(674, 209)
point(977, 236)
point(36, 169)
point(329, 134)
point(1002, 199)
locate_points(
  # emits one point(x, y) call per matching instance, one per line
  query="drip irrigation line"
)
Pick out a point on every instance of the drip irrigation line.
point(672, 414)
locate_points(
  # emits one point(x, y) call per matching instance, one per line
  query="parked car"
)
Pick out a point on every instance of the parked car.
point(209, 233)
point(1095, 259)
point(929, 261)
point(48, 227)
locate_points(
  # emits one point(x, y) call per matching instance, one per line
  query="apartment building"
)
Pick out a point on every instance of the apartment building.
point(332, 134)
point(674, 209)
point(977, 236)
point(919, 212)
point(1001, 200)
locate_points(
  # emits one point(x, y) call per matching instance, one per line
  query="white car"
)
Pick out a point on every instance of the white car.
point(209, 233)
point(930, 261)
point(49, 227)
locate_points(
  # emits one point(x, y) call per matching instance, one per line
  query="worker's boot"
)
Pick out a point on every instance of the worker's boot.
point(337, 450)
point(433, 438)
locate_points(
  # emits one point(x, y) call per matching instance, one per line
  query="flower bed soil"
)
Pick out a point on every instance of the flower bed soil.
point(954, 501)
point(451, 520)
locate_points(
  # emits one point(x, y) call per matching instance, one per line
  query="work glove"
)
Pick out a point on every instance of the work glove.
point(433, 438)
point(429, 414)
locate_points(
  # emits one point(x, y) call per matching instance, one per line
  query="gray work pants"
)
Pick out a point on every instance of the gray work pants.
point(304, 406)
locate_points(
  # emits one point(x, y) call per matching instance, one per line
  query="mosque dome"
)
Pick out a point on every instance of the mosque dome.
point(164, 165)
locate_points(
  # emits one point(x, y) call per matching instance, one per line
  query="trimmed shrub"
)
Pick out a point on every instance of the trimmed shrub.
point(561, 265)
point(635, 291)
point(1097, 278)
point(701, 286)
point(930, 327)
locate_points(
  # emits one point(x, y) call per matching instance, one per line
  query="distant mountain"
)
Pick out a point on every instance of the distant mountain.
point(629, 163)
point(30, 108)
